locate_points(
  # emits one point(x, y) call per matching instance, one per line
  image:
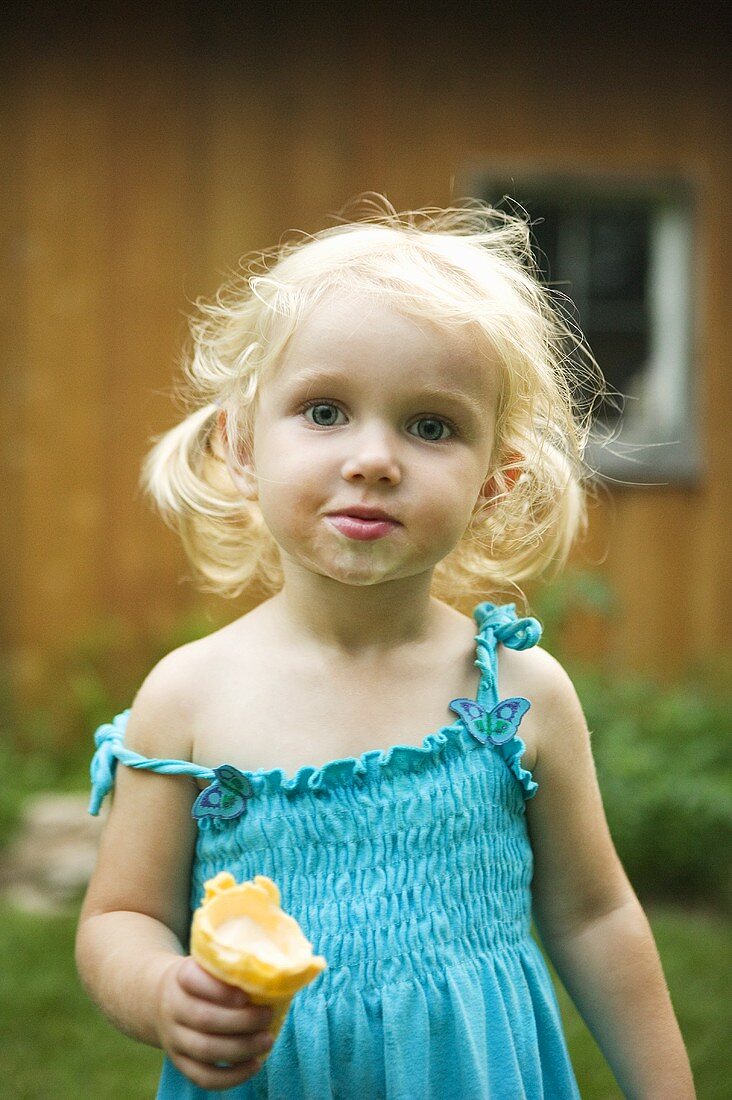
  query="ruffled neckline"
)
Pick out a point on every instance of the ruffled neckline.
point(397, 760)
point(500, 621)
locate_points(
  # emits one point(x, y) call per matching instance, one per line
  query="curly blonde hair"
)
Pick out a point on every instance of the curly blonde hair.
point(466, 265)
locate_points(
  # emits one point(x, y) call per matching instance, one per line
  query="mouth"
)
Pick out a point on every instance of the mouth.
point(359, 511)
point(363, 524)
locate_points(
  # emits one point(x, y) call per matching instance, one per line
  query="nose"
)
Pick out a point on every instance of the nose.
point(372, 458)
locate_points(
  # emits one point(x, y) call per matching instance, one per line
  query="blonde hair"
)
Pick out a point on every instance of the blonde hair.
point(466, 265)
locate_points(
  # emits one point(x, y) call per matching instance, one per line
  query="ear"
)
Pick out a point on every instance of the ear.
point(242, 471)
point(489, 489)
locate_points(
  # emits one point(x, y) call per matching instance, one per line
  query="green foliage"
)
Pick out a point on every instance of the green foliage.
point(47, 745)
point(576, 591)
point(663, 764)
point(663, 758)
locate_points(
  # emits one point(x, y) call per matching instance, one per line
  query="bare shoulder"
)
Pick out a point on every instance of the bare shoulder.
point(177, 691)
point(536, 671)
point(149, 837)
point(556, 717)
point(160, 713)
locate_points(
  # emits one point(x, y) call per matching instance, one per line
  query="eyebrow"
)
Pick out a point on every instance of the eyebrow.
point(465, 402)
point(325, 376)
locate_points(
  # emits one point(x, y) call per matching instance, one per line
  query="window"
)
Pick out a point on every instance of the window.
point(622, 252)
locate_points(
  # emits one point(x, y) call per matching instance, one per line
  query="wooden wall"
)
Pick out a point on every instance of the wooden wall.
point(143, 154)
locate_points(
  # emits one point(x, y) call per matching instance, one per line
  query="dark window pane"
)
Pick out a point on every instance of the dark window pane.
point(618, 253)
point(626, 351)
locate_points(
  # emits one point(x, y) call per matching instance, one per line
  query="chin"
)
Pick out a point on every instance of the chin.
point(345, 570)
point(360, 578)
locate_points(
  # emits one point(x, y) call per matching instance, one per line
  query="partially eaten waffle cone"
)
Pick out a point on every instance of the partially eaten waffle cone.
point(241, 936)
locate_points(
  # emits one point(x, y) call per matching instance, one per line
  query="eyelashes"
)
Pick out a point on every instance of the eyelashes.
point(428, 435)
point(320, 407)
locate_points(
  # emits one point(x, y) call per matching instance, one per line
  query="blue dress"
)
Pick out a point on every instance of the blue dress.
point(410, 871)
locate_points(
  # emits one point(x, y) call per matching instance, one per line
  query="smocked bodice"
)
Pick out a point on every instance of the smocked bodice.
point(385, 871)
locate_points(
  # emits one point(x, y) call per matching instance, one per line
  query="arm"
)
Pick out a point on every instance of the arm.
point(134, 922)
point(587, 914)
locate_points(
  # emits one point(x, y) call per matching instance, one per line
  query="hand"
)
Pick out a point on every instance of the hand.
point(211, 1031)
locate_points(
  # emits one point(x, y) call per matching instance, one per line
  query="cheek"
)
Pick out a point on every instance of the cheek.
point(290, 485)
point(283, 498)
point(290, 454)
point(453, 490)
point(450, 509)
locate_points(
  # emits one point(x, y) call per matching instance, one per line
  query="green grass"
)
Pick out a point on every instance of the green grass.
point(54, 1043)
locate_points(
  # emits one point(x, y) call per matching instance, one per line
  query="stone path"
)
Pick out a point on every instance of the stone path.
point(47, 865)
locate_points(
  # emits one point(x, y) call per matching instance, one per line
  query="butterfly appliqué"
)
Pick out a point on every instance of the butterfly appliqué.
point(498, 725)
point(225, 799)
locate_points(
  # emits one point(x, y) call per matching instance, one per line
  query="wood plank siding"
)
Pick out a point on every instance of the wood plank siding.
point(143, 153)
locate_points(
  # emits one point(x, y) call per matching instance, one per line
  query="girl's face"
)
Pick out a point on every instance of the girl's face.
point(371, 410)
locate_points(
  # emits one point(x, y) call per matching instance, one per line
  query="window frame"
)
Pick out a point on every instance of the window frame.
point(656, 439)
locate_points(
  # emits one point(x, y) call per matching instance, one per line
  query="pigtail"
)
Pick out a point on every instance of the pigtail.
point(224, 536)
point(175, 472)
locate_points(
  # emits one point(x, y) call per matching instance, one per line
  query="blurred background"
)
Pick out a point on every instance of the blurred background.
point(145, 149)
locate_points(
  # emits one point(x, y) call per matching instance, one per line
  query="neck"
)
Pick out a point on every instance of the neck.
point(357, 620)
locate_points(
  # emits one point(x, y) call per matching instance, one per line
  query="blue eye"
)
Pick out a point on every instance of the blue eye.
point(431, 428)
point(324, 414)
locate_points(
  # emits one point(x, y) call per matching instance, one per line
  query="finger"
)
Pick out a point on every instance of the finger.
point(199, 983)
point(212, 1050)
point(212, 1019)
point(215, 1078)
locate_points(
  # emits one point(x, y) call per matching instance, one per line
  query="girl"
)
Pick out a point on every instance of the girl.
point(385, 423)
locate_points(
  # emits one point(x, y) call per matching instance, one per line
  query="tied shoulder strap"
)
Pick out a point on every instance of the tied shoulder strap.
point(111, 749)
point(499, 624)
point(487, 718)
point(506, 627)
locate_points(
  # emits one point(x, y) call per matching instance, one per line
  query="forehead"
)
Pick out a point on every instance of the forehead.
point(351, 332)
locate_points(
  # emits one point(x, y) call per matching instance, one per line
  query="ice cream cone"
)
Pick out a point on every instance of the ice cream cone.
point(241, 936)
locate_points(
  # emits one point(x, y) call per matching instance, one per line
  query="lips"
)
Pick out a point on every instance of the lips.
point(363, 512)
point(362, 523)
